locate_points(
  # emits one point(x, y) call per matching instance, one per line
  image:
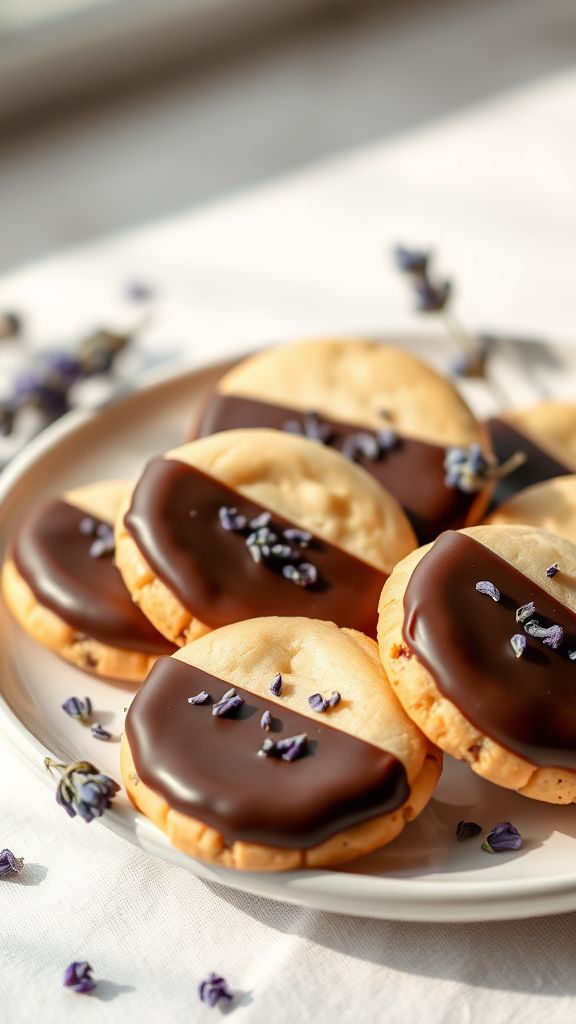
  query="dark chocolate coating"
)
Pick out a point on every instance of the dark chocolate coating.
point(53, 557)
point(413, 471)
point(174, 521)
point(462, 637)
point(539, 465)
point(208, 767)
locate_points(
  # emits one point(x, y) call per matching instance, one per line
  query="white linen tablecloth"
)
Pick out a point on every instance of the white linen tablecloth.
point(493, 191)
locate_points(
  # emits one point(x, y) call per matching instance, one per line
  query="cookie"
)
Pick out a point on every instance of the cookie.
point(257, 779)
point(550, 506)
point(546, 433)
point(477, 641)
point(254, 522)
point(380, 406)
point(60, 582)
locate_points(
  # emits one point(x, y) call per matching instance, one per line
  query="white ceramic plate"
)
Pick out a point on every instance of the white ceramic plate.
point(424, 876)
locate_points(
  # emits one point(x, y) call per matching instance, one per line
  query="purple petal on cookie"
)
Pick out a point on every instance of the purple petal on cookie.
point(552, 569)
point(266, 720)
point(467, 829)
point(485, 587)
point(200, 698)
point(525, 611)
point(229, 703)
point(9, 864)
point(504, 836)
point(213, 989)
point(518, 644)
point(276, 685)
point(231, 519)
point(77, 708)
point(317, 702)
point(552, 636)
point(87, 526)
point(99, 732)
point(78, 976)
point(297, 536)
point(334, 699)
point(303, 575)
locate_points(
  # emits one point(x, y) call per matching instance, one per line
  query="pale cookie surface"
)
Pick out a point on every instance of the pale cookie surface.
point(101, 500)
point(550, 506)
point(552, 425)
point(311, 486)
point(357, 380)
point(530, 552)
point(312, 657)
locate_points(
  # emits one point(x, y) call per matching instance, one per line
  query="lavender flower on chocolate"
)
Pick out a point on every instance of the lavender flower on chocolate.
point(312, 427)
point(83, 790)
point(266, 721)
point(525, 611)
point(228, 704)
point(230, 519)
point(200, 698)
point(277, 549)
point(303, 575)
point(518, 644)
point(470, 470)
point(503, 837)
point(466, 830)
point(485, 587)
point(289, 749)
point(369, 446)
point(77, 708)
point(78, 976)
point(9, 864)
point(213, 989)
point(552, 636)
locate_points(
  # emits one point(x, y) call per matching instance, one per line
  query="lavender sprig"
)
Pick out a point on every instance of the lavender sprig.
point(9, 864)
point(83, 790)
point(485, 587)
point(79, 709)
point(504, 836)
point(78, 976)
point(469, 470)
point(213, 989)
point(552, 636)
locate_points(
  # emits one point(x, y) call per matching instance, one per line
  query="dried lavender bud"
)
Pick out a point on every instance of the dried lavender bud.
point(485, 587)
point(201, 698)
point(467, 829)
point(78, 976)
point(362, 443)
point(572, 655)
point(317, 702)
point(334, 699)
point(266, 720)
point(525, 611)
point(411, 261)
point(552, 569)
point(504, 836)
point(87, 526)
point(303, 575)
point(276, 685)
point(255, 552)
point(431, 298)
point(229, 703)
point(469, 470)
point(267, 749)
point(283, 552)
point(387, 439)
point(293, 747)
point(213, 989)
point(83, 790)
point(297, 536)
point(311, 426)
point(263, 536)
point(230, 519)
point(99, 732)
point(262, 520)
point(518, 644)
point(79, 709)
point(9, 864)
point(552, 636)
point(104, 543)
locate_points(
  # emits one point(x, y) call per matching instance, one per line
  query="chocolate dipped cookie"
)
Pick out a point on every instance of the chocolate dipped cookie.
point(61, 584)
point(276, 744)
point(545, 433)
point(478, 639)
point(550, 506)
point(380, 406)
point(253, 522)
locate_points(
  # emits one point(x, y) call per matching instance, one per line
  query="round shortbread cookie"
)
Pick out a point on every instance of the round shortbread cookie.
point(110, 655)
point(449, 655)
point(309, 486)
point(380, 406)
point(198, 760)
point(550, 506)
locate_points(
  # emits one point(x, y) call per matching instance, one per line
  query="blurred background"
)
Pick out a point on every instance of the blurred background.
point(118, 112)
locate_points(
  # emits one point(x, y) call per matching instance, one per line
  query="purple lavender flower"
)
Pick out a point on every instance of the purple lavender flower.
point(213, 989)
point(104, 543)
point(334, 699)
point(266, 720)
point(303, 575)
point(411, 261)
point(552, 636)
point(283, 552)
point(552, 570)
point(294, 535)
point(504, 836)
point(78, 976)
point(467, 469)
point(467, 829)
point(363, 443)
point(387, 439)
point(83, 790)
point(276, 685)
point(525, 611)
point(77, 708)
point(311, 426)
point(518, 644)
point(99, 732)
point(317, 702)
point(288, 749)
point(572, 655)
point(201, 698)
point(87, 526)
point(430, 297)
point(230, 519)
point(262, 520)
point(9, 864)
point(230, 702)
point(485, 587)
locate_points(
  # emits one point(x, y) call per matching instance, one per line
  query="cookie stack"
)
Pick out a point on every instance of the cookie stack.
point(304, 659)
